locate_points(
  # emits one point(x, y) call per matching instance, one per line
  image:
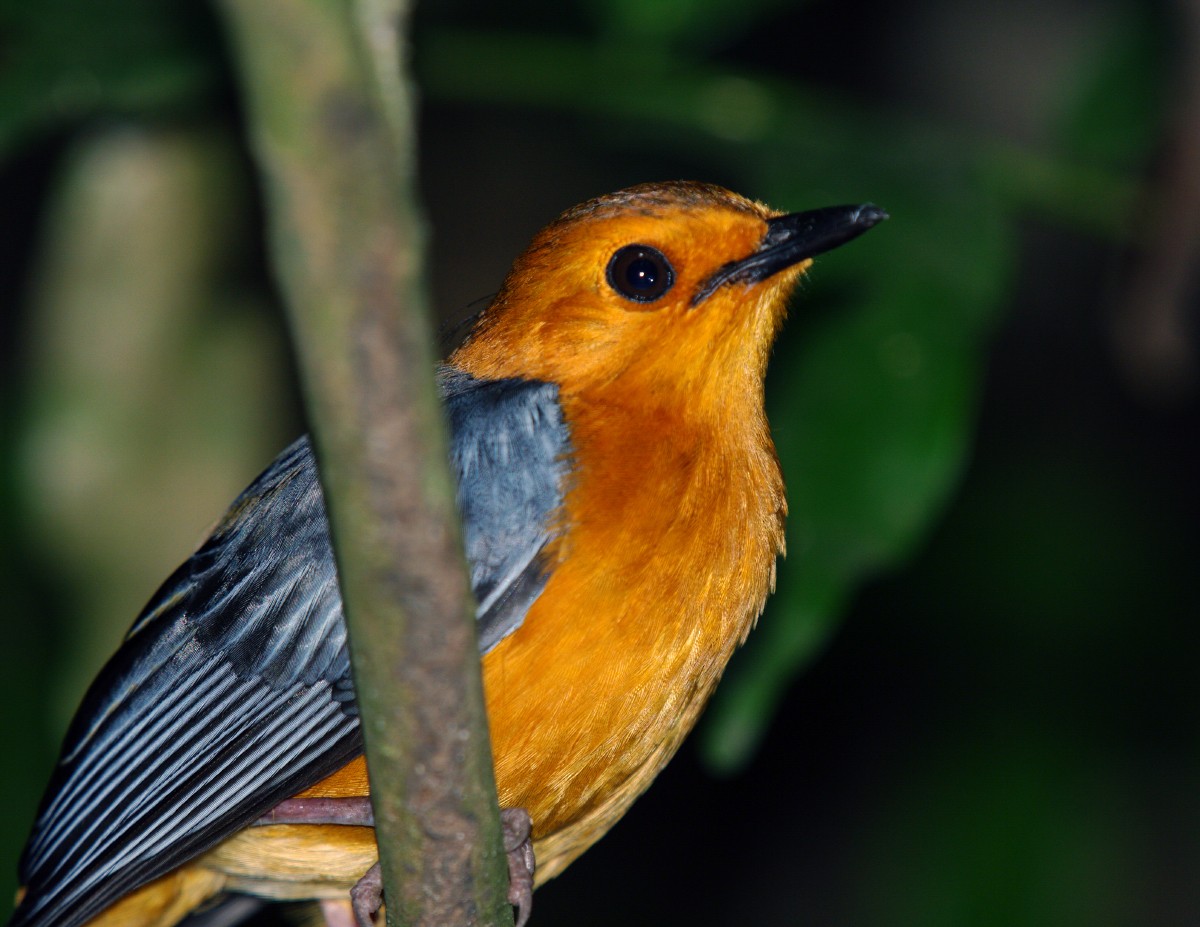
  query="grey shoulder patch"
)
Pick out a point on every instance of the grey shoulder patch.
point(510, 451)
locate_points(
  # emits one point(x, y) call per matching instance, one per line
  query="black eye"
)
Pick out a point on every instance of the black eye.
point(640, 273)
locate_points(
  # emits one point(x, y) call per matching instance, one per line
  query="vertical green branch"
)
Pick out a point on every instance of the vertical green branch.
point(332, 129)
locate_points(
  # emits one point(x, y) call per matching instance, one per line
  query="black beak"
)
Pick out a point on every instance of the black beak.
point(794, 238)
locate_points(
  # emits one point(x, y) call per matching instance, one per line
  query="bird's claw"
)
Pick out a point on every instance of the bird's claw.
point(517, 829)
point(366, 897)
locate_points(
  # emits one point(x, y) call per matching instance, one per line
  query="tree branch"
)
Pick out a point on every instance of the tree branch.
point(332, 129)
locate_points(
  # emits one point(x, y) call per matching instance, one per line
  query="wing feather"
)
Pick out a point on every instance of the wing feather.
point(511, 453)
point(232, 689)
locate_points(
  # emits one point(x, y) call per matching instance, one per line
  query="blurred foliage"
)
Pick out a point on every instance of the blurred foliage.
point(874, 393)
point(139, 238)
point(65, 61)
point(1113, 117)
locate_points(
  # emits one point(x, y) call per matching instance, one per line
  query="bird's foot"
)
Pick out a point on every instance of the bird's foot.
point(517, 829)
point(355, 811)
point(366, 897)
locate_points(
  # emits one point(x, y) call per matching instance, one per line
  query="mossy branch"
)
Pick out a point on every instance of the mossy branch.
point(331, 121)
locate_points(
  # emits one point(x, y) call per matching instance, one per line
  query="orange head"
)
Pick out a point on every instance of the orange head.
point(652, 311)
point(663, 287)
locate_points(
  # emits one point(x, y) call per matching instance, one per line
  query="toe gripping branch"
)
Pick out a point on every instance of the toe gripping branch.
point(517, 828)
point(366, 897)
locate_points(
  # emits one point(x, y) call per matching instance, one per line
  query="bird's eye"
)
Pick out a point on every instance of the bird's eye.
point(640, 273)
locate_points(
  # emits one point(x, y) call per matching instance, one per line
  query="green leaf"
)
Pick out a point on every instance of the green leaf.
point(65, 60)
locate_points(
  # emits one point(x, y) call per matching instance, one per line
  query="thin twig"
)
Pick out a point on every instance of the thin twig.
point(332, 129)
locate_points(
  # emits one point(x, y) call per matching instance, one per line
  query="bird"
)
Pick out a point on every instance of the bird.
point(622, 512)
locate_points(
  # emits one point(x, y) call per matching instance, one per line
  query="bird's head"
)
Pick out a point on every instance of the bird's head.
point(659, 288)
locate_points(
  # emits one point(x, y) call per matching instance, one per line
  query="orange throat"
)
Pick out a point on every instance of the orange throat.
point(671, 531)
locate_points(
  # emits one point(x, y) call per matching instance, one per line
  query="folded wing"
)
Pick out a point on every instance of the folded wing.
point(232, 690)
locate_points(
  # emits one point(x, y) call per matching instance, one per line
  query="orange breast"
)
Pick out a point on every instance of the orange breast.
point(667, 558)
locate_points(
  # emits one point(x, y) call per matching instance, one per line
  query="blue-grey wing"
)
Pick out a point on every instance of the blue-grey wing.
point(232, 690)
point(511, 453)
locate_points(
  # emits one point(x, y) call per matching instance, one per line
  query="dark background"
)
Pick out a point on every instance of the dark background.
point(974, 699)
